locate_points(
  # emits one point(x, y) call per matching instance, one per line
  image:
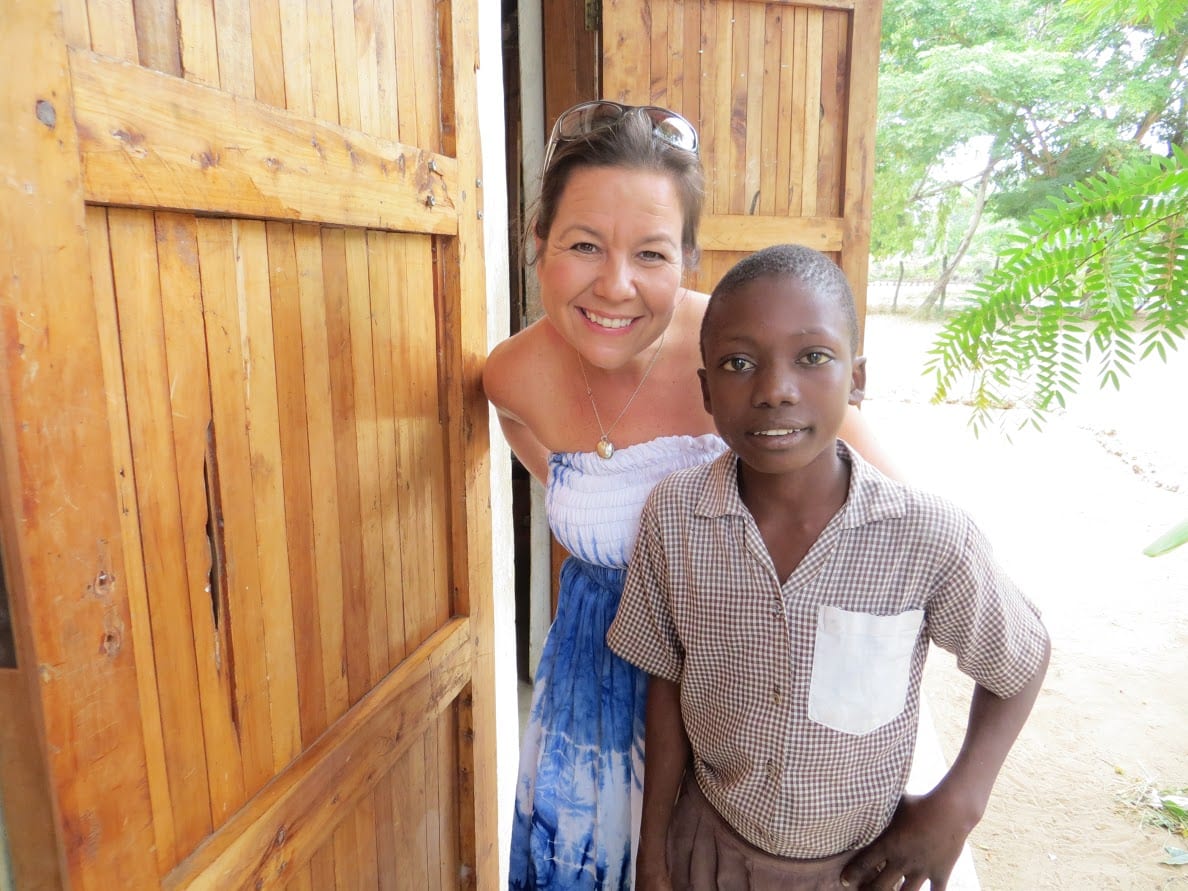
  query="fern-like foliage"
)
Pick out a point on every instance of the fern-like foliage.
point(1097, 280)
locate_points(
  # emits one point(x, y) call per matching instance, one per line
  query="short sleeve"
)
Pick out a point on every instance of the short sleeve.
point(980, 615)
point(643, 632)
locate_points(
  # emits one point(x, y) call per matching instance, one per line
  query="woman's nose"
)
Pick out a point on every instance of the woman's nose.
point(614, 279)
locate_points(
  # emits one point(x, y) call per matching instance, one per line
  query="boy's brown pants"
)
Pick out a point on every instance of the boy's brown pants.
point(706, 854)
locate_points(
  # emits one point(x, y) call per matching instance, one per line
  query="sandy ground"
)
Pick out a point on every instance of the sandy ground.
point(1069, 511)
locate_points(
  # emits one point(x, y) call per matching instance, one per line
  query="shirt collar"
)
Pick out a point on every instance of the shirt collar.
point(872, 496)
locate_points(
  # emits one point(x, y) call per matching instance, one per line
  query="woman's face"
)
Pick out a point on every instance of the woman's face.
point(610, 268)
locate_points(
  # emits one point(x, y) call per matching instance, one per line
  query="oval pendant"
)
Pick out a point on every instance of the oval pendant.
point(604, 448)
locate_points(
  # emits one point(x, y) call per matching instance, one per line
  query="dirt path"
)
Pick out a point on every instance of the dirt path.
point(1069, 511)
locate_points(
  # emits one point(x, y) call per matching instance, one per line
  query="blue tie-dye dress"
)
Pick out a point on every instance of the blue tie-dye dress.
point(581, 761)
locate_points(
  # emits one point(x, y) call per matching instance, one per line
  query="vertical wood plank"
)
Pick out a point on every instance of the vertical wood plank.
point(386, 271)
point(692, 62)
point(147, 382)
point(406, 76)
point(255, 309)
point(296, 52)
point(628, 81)
point(75, 23)
point(833, 107)
point(233, 30)
point(860, 147)
point(411, 809)
point(113, 28)
point(720, 55)
point(388, 863)
point(758, 146)
point(769, 180)
point(346, 855)
point(108, 331)
point(366, 861)
point(319, 409)
point(740, 30)
point(322, 64)
point(367, 65)
point(295, 466)
point(448, 754)
point(156, 36)
point(59, 510)
point(386, 85)
point(338, 332)
point(458, 265)
point(657, 46)
point(789, 182)
point(268, 55)
point(812, 111)
point(346, 62)
point(185, 346)
point(433, 84)
point(199, 42)
point(373, 602)
point(422, 496)
point(218, 245)
point(673, 89)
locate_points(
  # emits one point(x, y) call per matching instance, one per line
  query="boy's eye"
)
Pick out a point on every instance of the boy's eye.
point(815, 357)
point(737, 363)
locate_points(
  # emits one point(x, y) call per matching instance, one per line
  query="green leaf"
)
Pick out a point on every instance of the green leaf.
point(1170, 540)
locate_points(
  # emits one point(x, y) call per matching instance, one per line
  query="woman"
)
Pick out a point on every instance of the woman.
point(599, 400)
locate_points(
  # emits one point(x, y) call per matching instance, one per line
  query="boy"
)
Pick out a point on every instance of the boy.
point(783, 598)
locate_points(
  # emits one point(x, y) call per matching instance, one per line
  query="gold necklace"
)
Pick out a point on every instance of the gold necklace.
point(605, 447)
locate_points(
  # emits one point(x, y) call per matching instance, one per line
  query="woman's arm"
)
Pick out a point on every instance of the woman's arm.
point(666, 755)
point(503, 383)
point(856, 430)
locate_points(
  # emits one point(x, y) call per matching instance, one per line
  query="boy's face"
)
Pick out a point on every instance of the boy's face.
point(779, 373)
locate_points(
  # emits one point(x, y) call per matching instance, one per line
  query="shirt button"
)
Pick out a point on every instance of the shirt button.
point(775, 695)
point(773, 769)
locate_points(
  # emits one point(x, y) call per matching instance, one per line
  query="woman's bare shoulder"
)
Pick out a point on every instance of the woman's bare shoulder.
point(515, 364)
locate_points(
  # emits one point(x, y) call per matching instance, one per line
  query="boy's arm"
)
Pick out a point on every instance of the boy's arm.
point(666, 755)
point(925, 836)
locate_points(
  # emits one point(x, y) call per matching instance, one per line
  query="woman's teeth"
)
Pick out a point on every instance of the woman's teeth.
point(604, 322)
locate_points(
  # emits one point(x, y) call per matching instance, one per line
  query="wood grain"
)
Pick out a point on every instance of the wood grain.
point(152, 140)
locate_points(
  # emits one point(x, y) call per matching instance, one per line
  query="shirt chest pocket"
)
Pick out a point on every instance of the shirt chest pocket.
point(861, 668)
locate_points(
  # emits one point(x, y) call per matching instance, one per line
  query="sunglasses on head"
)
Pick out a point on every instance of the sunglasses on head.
point(590, 117)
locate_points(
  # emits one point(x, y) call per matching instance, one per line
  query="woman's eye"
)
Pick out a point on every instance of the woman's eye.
point(584, 247)
point(652, 256)
point(737, 363)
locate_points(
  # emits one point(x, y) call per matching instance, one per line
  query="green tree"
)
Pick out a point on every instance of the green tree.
point(1099, 273)
point(1043, 94)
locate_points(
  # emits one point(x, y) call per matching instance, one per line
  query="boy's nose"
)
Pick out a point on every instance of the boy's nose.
point(775, 386)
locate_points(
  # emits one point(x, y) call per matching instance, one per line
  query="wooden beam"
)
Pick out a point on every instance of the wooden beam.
point(152, 140)
point(742, 232)
point(59, 510)
point(284, 825)
point(462, 315)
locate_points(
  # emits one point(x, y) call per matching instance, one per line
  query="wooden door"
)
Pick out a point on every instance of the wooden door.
point(243, 503)
point(783, 95)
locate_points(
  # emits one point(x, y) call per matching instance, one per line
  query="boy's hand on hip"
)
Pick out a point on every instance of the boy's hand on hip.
point(921, 843)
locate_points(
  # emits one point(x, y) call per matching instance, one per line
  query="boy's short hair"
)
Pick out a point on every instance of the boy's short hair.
point(793, 261)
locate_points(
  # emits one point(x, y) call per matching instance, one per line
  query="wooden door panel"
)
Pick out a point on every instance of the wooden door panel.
point(270, 213)
point(783, 94)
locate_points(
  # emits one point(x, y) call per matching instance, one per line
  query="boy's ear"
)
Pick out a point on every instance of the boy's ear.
point(705, 396)
point(858, 380)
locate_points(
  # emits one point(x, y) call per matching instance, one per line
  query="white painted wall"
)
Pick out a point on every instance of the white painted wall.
point(492, 131)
